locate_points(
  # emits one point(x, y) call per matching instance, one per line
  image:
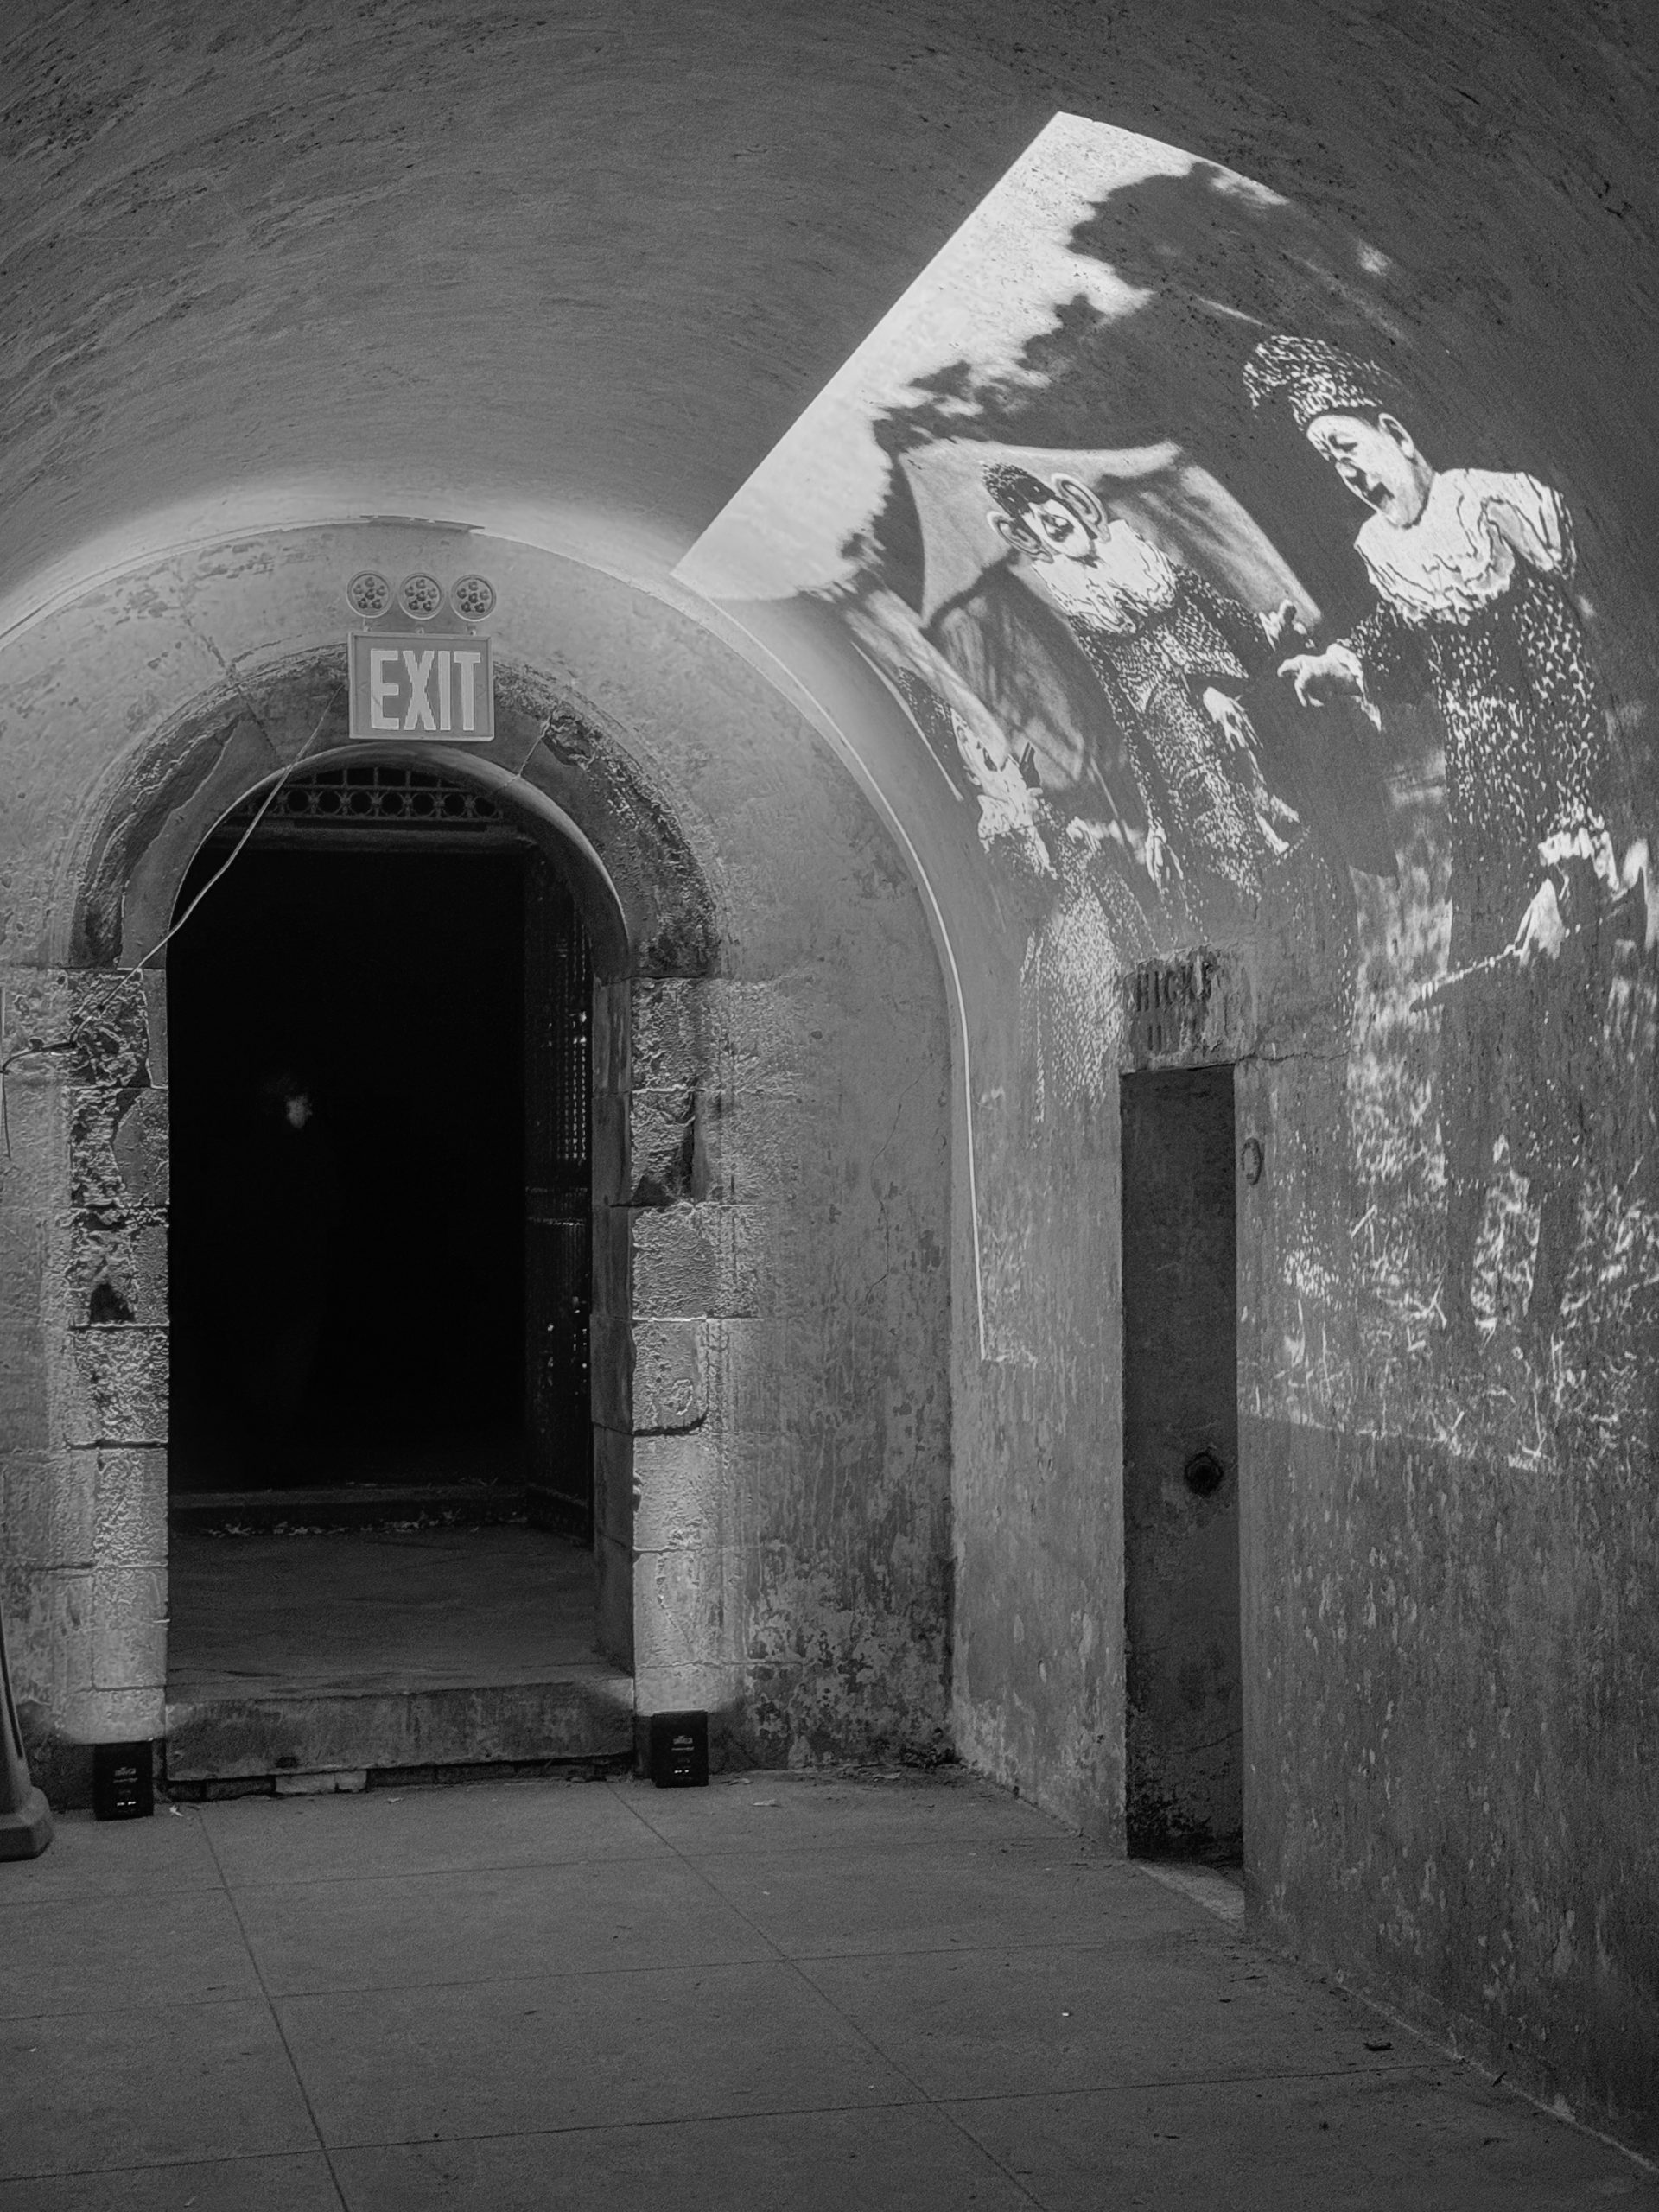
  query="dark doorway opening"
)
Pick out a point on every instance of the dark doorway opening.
point(381, 1448)
point(1185, 1726)
point(381, 1233)
point(345, 1051)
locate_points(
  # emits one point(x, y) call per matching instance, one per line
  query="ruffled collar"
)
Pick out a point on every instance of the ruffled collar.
point(1459, 555)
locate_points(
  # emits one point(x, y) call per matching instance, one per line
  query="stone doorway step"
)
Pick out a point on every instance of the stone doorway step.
point(314, 1660)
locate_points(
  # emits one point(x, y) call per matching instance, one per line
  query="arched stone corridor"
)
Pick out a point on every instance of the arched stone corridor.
point(954, 491)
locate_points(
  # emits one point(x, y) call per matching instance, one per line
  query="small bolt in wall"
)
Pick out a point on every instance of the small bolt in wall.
point(1203, 1474)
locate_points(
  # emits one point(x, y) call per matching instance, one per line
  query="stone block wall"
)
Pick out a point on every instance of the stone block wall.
point(722, 1444)
point(83, 1418)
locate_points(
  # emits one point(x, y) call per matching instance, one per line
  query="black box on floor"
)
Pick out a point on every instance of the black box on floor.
point(123, 1782)
point(679, 1750)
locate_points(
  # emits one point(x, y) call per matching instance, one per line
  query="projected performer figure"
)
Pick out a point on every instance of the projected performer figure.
point(1470, 569)
point(1170, 651)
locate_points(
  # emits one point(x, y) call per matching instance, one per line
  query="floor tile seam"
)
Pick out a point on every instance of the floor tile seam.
point(269, 1999)
point(725, 2116)
point(435, 1873)
point(524, 1980)
point(1014, 2181)
point(272, 2013)
point(1202, 1928)
point(267, 1995)
point(725, 1902)
point(1012, 1946)
point(78, 1900)
point(772, 1956)
point(148, 2007)
point(855, 2028)
point(951, 1855)
point(1135, 2084)
point(638, 1814)
point(1056, 1850)
point(725, 2120)
point(1403, 2066)
point(190, 1887)
point(821, 1996)
point(162, 2165)
point(638, 1795)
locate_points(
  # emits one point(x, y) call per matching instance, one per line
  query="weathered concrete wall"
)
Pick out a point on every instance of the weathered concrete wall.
point(578, 271)
point(1037, 1468)
point(1451, 1750)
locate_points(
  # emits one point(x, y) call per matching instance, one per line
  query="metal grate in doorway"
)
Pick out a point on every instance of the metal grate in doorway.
point(374, 791)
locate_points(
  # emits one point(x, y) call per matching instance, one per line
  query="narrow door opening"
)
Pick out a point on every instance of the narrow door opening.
point(1185, 1726)
point(347, 1267)
point(380, 1460)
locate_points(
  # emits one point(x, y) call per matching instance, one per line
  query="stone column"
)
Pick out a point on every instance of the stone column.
point(84, 1368)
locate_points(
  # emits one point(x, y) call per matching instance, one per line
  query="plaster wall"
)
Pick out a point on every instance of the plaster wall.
point(578, 273)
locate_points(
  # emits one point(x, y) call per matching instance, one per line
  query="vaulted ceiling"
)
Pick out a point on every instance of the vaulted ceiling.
point(569, 269)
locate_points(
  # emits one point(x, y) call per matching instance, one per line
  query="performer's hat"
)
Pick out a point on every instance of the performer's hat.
point(1015, 489)
point(1314, 380)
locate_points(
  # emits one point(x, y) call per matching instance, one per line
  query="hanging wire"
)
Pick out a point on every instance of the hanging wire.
point(78, 1023)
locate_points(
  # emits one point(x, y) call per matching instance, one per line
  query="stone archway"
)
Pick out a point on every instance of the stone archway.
point(773, 1285)
point(90, 1116)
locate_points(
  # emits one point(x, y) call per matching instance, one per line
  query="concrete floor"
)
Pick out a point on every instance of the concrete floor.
point(355, 1611)
point(774, 1992)
point(375, 1647)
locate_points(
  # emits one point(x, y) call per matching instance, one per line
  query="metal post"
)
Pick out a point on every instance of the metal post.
point(25, 1816)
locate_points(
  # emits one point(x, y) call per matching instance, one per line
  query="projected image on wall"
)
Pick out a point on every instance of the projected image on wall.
point(1194, 632)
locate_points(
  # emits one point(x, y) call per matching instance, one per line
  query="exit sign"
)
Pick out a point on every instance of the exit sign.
point(422, 686)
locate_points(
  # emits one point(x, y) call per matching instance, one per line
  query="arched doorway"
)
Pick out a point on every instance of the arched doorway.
point(381, 1500)
point(689, 1126)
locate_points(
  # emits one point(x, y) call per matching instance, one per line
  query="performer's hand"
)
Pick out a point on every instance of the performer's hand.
point(1228, 718)
point(1012, 830)
point(1542, 931)
point(1284, 628)
point(1319, 677)
point(1161, 863)
point(1092, 836)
